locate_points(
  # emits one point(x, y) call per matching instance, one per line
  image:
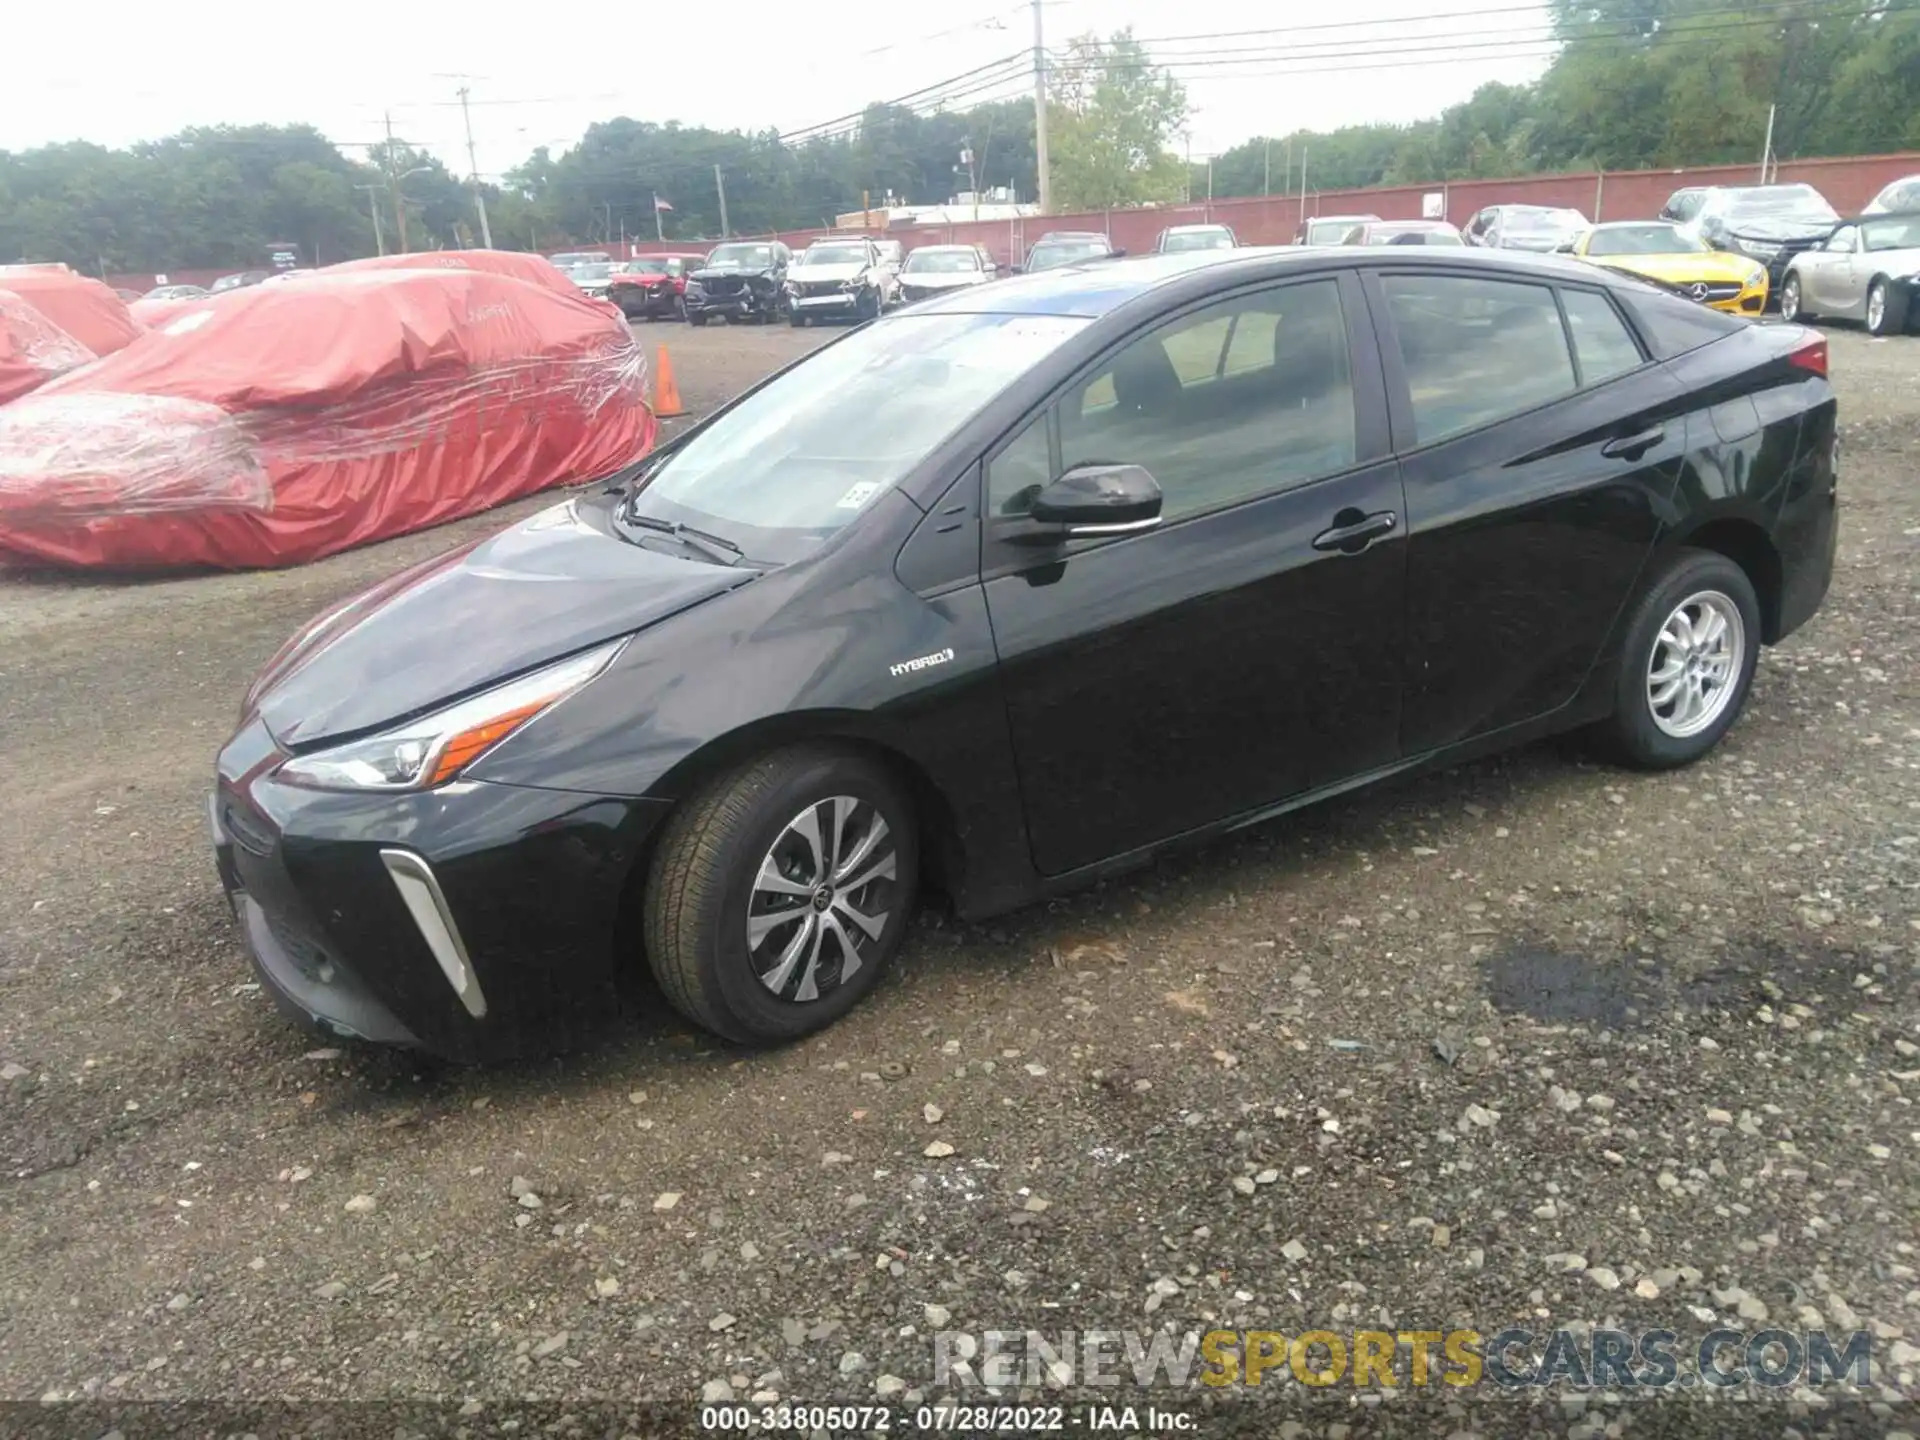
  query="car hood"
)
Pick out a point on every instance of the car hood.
point(814, 274)
point(941, 280)
point(1774, 231)
point(1684, 267)
point(556, 583)
point(716, 272)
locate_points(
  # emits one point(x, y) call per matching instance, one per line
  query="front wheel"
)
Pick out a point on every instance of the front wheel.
point(780, 892)
point(1790, 299)
point(696, 319)
point(1687, 664)
point(796, 320)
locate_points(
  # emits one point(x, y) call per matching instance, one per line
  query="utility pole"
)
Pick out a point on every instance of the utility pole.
point(659, 226)
point(473, 171)
point(373, 207)
point(1766, 150)
point(1303, 182)
point(393, 179)
point(720, 184)
point(1040, 113)
point(1266, 173)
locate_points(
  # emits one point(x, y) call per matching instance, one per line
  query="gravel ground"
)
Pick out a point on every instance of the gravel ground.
point(1531, 1042)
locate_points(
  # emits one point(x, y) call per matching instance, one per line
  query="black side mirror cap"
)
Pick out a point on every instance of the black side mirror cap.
point(1095, 500)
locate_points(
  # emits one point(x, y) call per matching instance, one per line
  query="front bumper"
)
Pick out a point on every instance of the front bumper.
point(740, 304)
point(644, 299)
point(337, 897)
point(840, 302)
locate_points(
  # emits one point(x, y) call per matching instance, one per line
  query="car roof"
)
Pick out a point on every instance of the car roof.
point(1632, 224)
point(1095, 288)
point(1196, 225)
point(1881, 215)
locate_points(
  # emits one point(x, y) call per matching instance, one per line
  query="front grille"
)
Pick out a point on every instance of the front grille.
point(813, 288)
point(726, 285)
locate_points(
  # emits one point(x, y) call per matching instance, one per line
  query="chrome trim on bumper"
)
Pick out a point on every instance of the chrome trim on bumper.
point(420, 893)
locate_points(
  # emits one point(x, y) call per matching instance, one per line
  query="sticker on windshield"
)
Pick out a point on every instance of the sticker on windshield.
point(857, 496)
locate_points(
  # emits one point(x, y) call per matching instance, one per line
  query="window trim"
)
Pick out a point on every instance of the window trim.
point(1366, 376)
point(1406, 440)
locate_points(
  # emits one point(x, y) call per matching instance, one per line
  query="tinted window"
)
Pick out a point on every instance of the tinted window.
point(1601, 340)
point(1476, 350)
point(1674, 326)
point(1239, 399)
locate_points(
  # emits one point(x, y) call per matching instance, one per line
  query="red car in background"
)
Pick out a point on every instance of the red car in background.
point(652, 285)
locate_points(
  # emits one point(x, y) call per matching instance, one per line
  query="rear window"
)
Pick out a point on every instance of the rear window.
point(1673, 326)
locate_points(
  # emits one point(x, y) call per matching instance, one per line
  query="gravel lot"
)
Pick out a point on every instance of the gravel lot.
point(1534, 1041)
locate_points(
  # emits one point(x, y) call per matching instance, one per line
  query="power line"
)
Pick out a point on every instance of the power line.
point(922, 95)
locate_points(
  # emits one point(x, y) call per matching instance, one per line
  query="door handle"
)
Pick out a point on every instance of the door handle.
point(1353, 531)
point(1632, 447)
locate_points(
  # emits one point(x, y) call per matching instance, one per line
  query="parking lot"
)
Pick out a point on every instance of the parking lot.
point(1535, 1040)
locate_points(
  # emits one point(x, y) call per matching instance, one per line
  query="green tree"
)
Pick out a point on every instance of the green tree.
point(1111, 121)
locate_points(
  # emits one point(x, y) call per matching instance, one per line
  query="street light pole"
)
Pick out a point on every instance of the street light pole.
point(473, 171)
point(1040, 114)
point(373, 208)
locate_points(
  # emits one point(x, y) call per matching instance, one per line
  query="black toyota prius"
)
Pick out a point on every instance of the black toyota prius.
point(1004, 593)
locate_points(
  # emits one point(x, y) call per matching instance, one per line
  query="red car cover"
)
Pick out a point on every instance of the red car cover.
point(533, 268)
point(32, 348)
point(89, 311)
point(293, 421)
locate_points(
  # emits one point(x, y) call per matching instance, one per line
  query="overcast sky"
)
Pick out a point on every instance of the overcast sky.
point(539, 76)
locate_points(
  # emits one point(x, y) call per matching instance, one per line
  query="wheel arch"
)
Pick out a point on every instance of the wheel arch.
point(943, 856)
point(1746, 542)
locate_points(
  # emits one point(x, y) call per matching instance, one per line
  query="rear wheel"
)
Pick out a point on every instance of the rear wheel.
point(1790, 299)
point(1886, 311)
point(696, 319)
point(1687, 663)
point(780, 892)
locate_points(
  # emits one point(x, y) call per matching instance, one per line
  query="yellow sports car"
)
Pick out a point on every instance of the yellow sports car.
point(1668, 256)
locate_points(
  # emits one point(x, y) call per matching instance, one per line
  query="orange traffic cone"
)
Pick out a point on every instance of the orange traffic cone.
point(666, 394)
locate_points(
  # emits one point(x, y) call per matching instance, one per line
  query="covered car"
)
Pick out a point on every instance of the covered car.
point(293, 421)
point(534, 269)
point(85, 308)
point(32, 348)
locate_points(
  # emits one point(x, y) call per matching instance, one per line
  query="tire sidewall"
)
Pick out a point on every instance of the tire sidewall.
point(1791, 289)
point(1886, 308)
point(726, 970)
point(1688, 573)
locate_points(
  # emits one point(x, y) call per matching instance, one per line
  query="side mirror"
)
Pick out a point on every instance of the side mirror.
point(1565, 247)
point(1016, 269)
point(1095, 500)
point(1118, 253)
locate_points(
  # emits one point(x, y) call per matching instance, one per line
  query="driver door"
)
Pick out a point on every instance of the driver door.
point(1249, 646)
point(1829, 284)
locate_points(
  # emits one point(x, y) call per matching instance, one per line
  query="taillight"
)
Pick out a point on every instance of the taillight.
point(1811, 357)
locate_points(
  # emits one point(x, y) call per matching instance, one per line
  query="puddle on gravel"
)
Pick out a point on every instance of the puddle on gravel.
point(1558, 986)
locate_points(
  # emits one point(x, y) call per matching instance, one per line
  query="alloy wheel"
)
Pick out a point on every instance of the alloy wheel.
point(1697, 661)
point(821, 898)
point(1790, 299)
point(1877, 308)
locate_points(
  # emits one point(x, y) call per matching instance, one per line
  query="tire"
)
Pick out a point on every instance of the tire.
point(696, 319)
point(1790, 299)
point(1649, 737)
point(707, 872)
point(1886, 309)
point(796, 320)
point(867, 308)
point(679, 309)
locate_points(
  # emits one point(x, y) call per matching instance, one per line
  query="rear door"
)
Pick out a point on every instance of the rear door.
point(1539, 446)
point(1246, 649)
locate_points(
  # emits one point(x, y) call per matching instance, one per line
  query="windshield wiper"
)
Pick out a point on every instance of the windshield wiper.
point(713, 546)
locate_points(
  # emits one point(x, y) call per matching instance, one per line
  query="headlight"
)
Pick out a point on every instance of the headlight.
point(435, 748)
point(694, 287)
point(1756, 276)
point(1758, 247)
point(793, 287)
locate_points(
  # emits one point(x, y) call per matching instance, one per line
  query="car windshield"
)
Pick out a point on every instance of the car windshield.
point(1901, 232)
point(1779, 202)
point(1543, 222)
point(1649, 239)
point(834, 255)
point(646, 267)
point(592, 272)
point(941, 262)
point(743, 257)
point(1197, 240)
point(1331, 231)
point(1049, 253)
point(794, 462)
